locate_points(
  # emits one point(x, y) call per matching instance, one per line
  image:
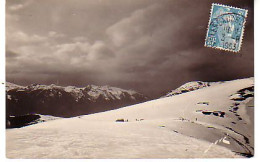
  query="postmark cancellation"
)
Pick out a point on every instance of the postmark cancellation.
point(226, 27)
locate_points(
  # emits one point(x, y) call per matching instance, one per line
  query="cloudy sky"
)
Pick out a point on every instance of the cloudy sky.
point(151, 46)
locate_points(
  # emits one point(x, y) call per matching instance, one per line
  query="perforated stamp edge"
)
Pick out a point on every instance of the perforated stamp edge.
point(242, 33)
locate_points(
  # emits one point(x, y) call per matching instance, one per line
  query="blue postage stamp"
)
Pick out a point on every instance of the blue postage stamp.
point(226, 28)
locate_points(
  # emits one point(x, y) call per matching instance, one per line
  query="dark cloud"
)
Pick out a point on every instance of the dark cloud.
point(150, 46)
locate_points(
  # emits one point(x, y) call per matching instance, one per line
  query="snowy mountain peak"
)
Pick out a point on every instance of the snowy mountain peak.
point(93, 91)
point(9, 86)
point(190, 86)
point(110, 92)
point(68, 101)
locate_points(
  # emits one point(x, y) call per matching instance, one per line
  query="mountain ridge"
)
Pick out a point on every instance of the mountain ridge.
point(190, 86)
point(44, 99)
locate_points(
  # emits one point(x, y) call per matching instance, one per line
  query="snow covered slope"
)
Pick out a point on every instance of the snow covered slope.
point(181, 126)
point(67, 101)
